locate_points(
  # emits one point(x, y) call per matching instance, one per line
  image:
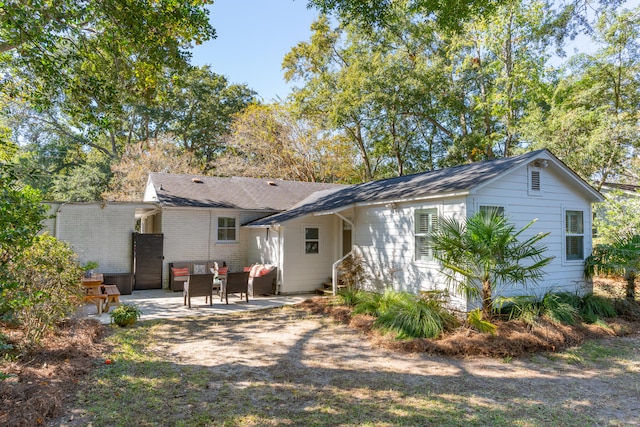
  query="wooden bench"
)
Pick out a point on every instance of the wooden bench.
point(108, 296)
point(113, 296)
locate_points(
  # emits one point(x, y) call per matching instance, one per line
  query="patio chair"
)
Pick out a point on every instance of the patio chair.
point(198, 285)
point(236, 283)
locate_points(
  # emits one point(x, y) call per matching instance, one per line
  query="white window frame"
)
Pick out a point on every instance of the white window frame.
point(422, 235)
point(569, 234)
point(531, 170)
point(236, 228)
point(307, 241)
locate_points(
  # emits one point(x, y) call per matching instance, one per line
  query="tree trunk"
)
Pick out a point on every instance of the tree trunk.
point(631, 287)
point(487, 302)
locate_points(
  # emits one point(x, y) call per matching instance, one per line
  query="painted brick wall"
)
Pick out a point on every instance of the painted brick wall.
point(190, 234)
point(97, 232)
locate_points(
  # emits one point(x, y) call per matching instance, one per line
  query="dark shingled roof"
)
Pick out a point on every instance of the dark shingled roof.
point(442, 181)
point(232, 193)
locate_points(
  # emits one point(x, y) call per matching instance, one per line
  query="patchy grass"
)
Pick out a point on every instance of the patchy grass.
point(320, 365)
point(223, 373)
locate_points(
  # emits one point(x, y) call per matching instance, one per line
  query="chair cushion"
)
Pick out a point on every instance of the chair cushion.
point(263, 271)
point(223, 270)
point(199, 269)
point(180, 271)
point(254, 270)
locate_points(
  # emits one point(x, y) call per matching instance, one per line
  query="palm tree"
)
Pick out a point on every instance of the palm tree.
point(483, 254)
point(621, 258)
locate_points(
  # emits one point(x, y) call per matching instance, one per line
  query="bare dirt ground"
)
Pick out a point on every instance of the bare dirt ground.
point(325, 345)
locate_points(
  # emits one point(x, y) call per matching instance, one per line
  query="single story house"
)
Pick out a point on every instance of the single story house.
point(305, 229)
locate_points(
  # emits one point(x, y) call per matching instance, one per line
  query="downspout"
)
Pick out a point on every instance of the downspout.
point(276, 228)
point(56, 227)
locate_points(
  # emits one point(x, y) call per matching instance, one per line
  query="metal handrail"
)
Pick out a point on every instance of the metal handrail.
point(334, 272)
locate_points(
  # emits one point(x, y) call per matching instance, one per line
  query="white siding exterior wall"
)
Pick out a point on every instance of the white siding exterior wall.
point(302, 272)
point(385, 240)
point(548, 208)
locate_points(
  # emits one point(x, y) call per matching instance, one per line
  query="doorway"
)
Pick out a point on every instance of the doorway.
point(147, 260)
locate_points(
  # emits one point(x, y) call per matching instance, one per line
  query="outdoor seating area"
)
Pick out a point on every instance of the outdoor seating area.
point(158, 304)
point(179, 271)
point(200, 285)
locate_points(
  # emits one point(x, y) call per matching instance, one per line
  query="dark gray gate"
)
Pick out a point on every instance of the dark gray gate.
point(147, 260)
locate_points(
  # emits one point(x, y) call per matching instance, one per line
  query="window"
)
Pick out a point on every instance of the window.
point(311, 240)
point(498, 209)
point(227, 229)
point(574, 235)
point(425, 223)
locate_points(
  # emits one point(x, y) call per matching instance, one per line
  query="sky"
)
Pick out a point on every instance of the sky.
point(253, 36)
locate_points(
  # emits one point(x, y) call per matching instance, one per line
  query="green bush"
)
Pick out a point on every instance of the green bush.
point(561, 307)
point(368, 303)
point(409, 316)
point(47, 290)
point(125, 314)
point(523, 307)
point(558, 309)
point(529, 308)
point(476, 321)
point(594, 308)
point(347, 296)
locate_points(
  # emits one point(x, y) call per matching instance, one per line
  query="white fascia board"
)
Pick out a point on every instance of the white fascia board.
point(560, 166)
point(415, 199)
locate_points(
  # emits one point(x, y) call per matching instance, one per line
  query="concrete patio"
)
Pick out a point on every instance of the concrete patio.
point(164, 304)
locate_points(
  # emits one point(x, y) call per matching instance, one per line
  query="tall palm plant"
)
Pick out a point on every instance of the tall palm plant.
point(621, 258)
point(483, 254)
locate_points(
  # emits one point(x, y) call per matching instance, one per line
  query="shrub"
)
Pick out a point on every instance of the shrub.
point(368, 303)
point(529, 308)
point(125, 314)
point(476, 321)
point(347, 296)
point(559, 310)
point(522, 307)
point(412, 317)
point(593, 308)
point(47, 290)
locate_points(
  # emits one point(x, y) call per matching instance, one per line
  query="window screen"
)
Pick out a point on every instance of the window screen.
point(425, 223)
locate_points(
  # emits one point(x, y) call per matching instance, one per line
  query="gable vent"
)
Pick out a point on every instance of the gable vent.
point(197, 180)
point(535, 180)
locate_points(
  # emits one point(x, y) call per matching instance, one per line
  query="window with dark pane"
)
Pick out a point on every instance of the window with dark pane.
point(574, 235)
point(311, 240)
point(226, 228)
point(425, 223)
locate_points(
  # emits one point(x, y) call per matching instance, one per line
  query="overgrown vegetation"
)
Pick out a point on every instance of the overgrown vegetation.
point(39, 275)
point(561, 307)
point(47, 290)
point(618, 259)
